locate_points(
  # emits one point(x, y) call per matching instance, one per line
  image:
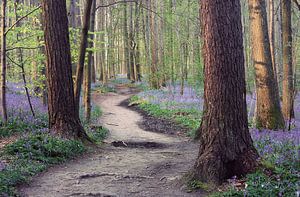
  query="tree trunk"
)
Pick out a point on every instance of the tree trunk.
point(226, 147)
point(287, 83)
point(63, 118)
point(137, 40)
point(272, 37)
point(82, 52)
point(154, 75)
point(88, 70)
point(268, 114)
point(126, 42)
point(3, 62)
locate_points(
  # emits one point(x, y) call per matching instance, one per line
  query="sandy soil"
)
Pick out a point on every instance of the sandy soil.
point(133, 161)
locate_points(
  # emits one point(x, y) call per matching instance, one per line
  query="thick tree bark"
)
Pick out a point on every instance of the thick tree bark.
point(3, 62)
point(268, 113)
point(63, 118)
point(226, 148)
point(82, 52)
point(288, 82)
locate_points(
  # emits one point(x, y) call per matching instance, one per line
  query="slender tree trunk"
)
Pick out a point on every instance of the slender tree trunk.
point(63, 117)
point(88, 70)
point(3, 62)
point(226, 147)
point(287, 83)
point(268, 114)
point(154, 69)
point(272, 36)
point(21, 63)
point(126, 42)
point(137, 38)
point(82, 52)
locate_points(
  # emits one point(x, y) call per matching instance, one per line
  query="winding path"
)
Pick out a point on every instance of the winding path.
point(141, 163)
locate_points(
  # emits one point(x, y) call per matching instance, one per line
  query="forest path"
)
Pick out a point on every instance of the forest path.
point(133, 162)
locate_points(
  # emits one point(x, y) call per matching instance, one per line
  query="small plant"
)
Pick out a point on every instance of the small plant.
point(195, 184)
point(97, 133)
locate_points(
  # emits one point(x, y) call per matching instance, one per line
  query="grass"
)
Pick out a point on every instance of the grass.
point(188, 118)
point(33, 154)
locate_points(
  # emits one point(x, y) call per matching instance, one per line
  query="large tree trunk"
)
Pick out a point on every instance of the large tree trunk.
point(226, 147)
point(287, 83)
point(268, 113)
point(82, 52)
point(3, 62)
point(63, 118)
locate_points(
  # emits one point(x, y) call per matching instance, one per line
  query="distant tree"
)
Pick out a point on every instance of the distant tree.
point(88, 68)
point(226, 148)
point(63, 118)
point(268, 111)
point(82, 51)
point(3, 62)
point(288, 81)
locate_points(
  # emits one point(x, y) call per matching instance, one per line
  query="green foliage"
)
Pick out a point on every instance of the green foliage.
point(195, 184)
point(97, 134)
point(16, 126)
point(31, 155)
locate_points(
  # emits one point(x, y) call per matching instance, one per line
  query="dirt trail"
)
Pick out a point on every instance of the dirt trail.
point(140, 164)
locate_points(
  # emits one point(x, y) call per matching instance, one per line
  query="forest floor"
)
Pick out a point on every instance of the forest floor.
point(132, 162)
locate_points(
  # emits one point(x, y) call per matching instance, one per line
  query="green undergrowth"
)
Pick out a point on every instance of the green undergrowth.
point(188, 118)
point(31, 155)
point(16, 126)
point(37, 150)
point(260, 183)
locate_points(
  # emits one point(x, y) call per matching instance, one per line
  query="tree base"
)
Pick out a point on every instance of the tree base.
point(213, 169)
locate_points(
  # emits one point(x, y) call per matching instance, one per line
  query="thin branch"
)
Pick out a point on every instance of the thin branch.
point(28, 48)
point(117, 2)
point(20, 66)
point(20, 19)
point(297, 4)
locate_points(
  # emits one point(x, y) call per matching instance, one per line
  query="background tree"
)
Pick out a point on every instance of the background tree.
point(82, 51)
point(3, 62)
point(288, 81)
point(268, 110)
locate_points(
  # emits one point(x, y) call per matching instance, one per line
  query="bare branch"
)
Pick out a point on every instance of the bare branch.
point(28, 48)
point(20, 19)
